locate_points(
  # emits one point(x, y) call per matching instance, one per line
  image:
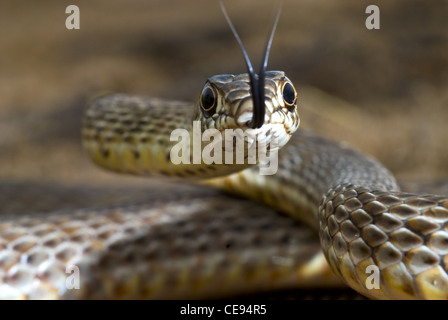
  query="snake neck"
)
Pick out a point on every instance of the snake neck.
point(309, 167)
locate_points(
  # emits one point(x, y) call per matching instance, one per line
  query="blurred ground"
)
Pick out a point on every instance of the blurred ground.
point(383, 91)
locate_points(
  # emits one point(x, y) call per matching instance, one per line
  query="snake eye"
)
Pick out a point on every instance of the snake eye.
point(208, 100)
point(289, 94)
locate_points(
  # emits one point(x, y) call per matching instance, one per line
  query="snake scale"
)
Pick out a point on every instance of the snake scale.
point(202, 244)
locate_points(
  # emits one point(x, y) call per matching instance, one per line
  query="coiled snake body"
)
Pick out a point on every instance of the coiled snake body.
point(208, 246)
point(354, 202)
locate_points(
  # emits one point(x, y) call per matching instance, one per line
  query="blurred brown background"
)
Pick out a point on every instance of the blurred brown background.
point(383, 91)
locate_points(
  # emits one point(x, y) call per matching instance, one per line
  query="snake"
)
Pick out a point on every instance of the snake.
point(340, 214)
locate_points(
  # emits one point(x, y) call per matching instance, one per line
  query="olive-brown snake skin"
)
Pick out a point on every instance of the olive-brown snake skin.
point(185, 238)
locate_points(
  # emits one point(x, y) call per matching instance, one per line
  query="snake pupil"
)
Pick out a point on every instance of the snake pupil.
point(208, 99)
point(289, 95)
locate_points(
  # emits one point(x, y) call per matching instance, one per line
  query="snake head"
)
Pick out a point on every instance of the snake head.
point(226, 103)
